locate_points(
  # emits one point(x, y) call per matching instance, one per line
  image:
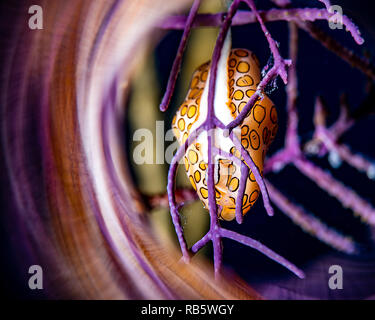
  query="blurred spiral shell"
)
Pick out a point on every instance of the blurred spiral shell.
point(75, 209)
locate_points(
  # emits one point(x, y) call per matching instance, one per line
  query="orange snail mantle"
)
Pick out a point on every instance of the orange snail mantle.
point(238, 75)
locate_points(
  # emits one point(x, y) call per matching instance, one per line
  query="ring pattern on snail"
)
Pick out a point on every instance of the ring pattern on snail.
point(256, 133)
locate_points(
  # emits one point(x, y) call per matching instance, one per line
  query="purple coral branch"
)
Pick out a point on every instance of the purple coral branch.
point(345, 195)
point(326, 139)
point(210, 123)
point(177, 62)
point(242, 186)
point(214, 223)
point(178, 22)
point(278, 69)
point(171, 195)
point(291, 139)
point(355, 160)
point(278, 161)
point(241, 192)
point(271, 74)
point(344, 121)
point(292, 154)
point(224, 233)
point(311, 224)
point(242, 115)
point(258, 177)
point(324, 180)
point(292, 145)
point(362, 64)
point(346, 21)
point(215, 59)
point(278, 61)
point(263, 249)
point(174, 211)
point(202, 242)
point(280, 64)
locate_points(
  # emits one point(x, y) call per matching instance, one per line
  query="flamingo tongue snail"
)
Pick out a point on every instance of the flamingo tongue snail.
point(224, 166)
point(237, 78)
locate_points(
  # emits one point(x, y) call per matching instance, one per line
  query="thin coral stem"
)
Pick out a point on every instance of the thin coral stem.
point(346, 21)
point(360, 63)
point(270, 40)
point(211, 124)
point(278, 60)
point(178, 22)
point(344, 122)
point(258, 177)
point(278, 161)
point(271, 74)
point(174, 212)
point(279, 68)
point(346, 196)
point(291, 139)
point(311, 224)
point(263, 249)
point(177, 62)
point(326, 139)
point(216, 56)
point(340, 127)
point(355, 160)
point(171, 195)
point(244, 175)
point(214, 224)
point(202, 242)
point(241, 192)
